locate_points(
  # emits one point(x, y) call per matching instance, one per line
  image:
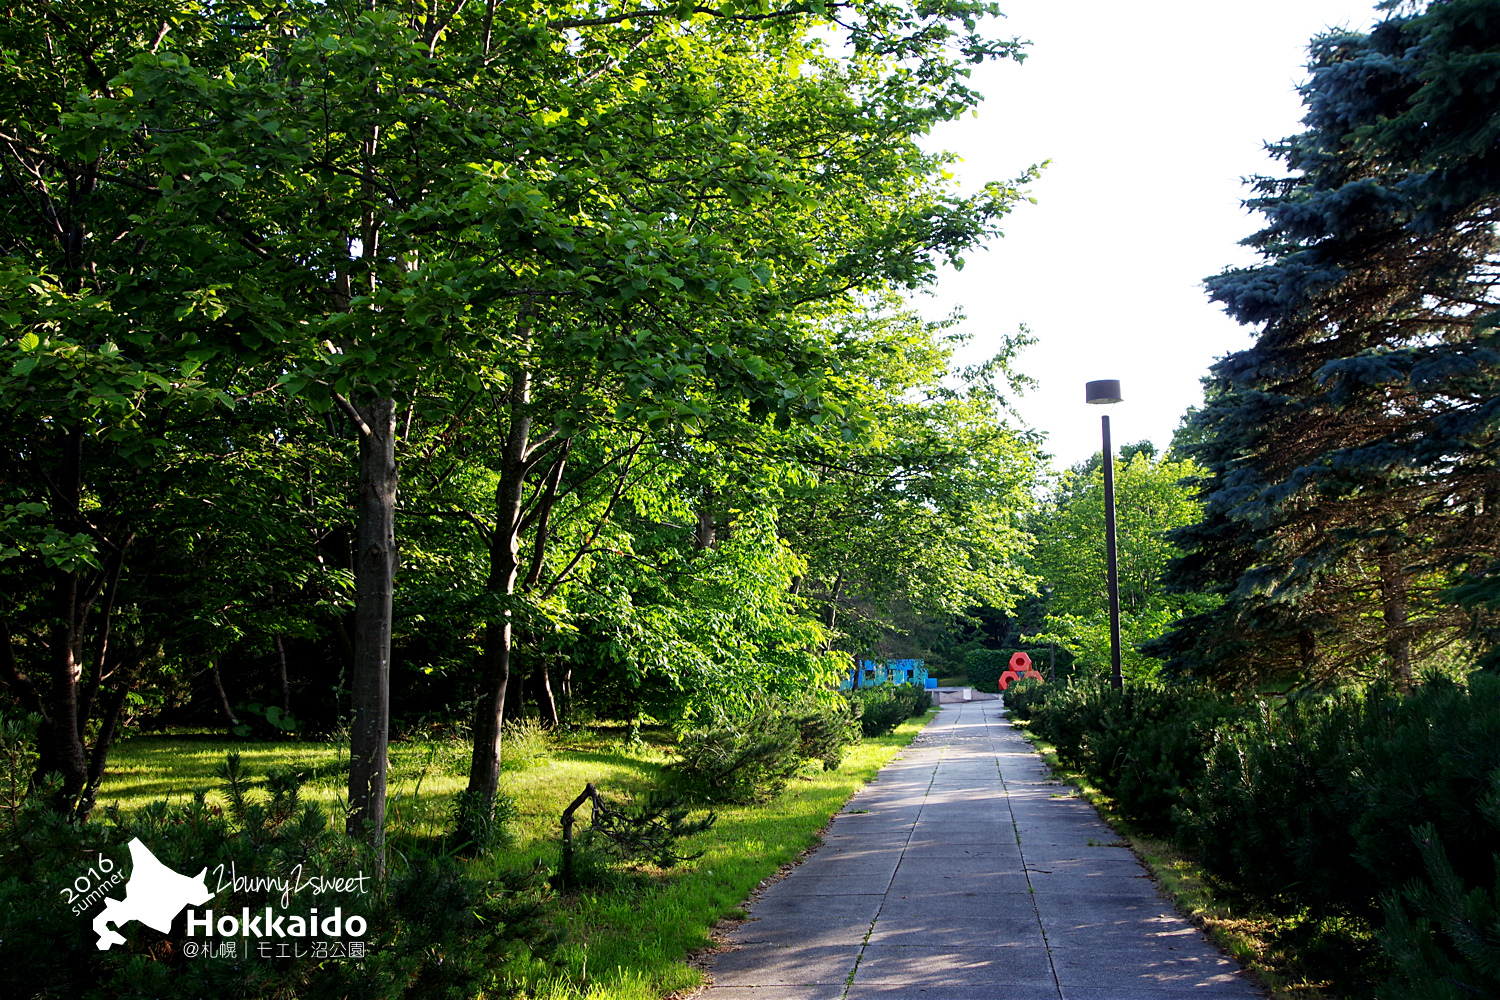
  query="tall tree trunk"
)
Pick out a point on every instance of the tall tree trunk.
point(113, 703)
point(374, 584)
point(60, 738)
point(489, 714)
point(1393, 594)
point(833, 598)
point(705, 537)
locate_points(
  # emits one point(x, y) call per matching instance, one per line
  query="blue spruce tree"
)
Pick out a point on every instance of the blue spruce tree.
point(1351, 454)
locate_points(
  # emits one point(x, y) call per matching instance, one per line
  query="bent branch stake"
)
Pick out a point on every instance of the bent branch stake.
point(589, 794)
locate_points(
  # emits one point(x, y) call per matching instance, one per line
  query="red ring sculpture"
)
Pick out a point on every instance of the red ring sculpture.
point(1020, 666)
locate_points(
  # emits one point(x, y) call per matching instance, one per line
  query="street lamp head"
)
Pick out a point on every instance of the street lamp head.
point(1105, 390)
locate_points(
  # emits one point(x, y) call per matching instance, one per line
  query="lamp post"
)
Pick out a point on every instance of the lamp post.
point(1104, 392)
point(1051, 644)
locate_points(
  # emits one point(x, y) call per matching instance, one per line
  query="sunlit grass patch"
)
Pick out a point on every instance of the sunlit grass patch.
point(629, 941)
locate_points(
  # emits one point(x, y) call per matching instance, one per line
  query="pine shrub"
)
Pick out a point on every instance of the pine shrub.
point(884, 708)
point(751, 758)
point(434, 928)
point(1023, 696)
point(1144, 745)
point(1303, 806)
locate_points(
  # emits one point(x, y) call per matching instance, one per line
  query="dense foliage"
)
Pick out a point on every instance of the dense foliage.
point(751, 757)
point(1312, 806)
point(1151, 499)
point(611, 293)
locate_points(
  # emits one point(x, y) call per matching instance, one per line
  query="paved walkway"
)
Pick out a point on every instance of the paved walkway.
point(961, 873)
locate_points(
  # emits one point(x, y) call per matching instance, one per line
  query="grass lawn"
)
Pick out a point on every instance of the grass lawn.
point(627, 942)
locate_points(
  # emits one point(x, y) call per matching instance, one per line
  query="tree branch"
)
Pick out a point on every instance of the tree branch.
point(353, 414)
point(676, 12)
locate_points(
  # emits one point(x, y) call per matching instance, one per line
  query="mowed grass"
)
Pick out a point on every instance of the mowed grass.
point(625, 942)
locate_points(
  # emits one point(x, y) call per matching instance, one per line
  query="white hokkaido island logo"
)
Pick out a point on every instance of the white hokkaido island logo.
point(154, 895)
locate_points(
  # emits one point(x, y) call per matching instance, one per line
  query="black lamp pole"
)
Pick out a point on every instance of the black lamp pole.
point(1107, 391)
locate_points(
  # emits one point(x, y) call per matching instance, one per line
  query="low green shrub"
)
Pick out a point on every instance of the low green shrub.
point(1443, 934)
point(479, 826)
point(751, 758)
point(523, 744)
point(1273, 812)
point(984, 667)
point(883, 708)
point(1146, 745)
point(1022, 697)
point(1303, 805)
point(825, 730)
point(1308, 803)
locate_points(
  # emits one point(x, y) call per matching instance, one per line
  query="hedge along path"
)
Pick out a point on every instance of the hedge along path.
point(962, 873)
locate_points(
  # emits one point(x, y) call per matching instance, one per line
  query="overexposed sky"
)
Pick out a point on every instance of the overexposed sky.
point(1151, 113)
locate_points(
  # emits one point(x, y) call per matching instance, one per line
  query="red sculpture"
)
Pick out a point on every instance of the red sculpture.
point(1020, 666)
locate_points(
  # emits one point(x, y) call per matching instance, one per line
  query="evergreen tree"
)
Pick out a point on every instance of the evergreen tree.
point(1351, 453)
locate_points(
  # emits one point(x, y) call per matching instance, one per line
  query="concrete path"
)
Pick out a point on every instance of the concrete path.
point(961, 873)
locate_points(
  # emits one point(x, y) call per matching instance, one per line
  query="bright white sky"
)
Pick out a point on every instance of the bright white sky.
point(1151, 113)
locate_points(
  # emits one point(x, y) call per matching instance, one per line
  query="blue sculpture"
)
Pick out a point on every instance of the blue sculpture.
point(873, 673)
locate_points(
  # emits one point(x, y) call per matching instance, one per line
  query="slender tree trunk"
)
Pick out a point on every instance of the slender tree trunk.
point(114, 702)
point(1307, 650)
point(60, 738)
point(543, 517)
point(286, 690)
point(833, 599)
point(705, 537)
point(374, 583)
point(515, 689)
point(546, 705)
point(1393, 594)
point(213, 673)
point(91, 690)
point(489, 715)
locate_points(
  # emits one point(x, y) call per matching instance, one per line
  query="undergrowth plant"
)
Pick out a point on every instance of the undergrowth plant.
point(435, 926)
point(750, 758)
point(1301, 806)
point(883, 708)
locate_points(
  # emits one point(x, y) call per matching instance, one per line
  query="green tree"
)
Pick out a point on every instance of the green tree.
point(1150, 499)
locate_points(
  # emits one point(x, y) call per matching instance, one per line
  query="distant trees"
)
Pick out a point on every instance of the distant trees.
point(1351, 465)
point(1150, 500)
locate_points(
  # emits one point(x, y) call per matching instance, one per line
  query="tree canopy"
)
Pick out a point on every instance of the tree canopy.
point(350, 346)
